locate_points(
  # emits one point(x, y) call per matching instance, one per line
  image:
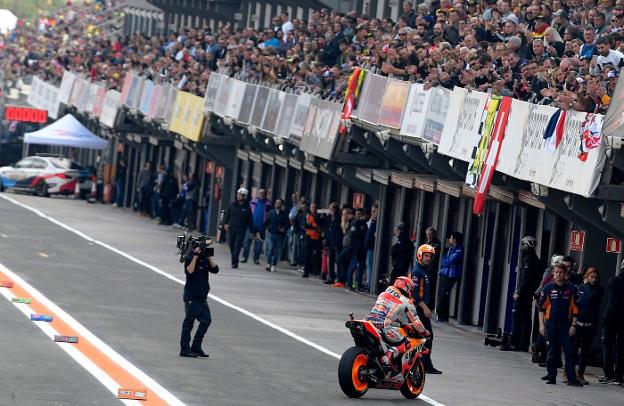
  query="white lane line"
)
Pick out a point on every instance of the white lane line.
point(181, 282)
point(43, 254)
point(105, 379)
point(4, 236)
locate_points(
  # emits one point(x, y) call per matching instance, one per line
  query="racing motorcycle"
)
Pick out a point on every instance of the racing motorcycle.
point(361, 367)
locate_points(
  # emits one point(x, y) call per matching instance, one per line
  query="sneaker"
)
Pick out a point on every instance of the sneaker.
point(546, 378)
point(575, 383)
point(300, 269)
point(551, 381)
point(338, 285)
point(188, 354)
point(243, 261)
point(268, 268)
point(305, 275)
point(605, 380)
point(328, 282)
point(583, 381)
point(272, 268)
point(234, 266)
point(432, 371)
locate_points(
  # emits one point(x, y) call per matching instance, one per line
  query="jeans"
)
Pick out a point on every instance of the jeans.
point(235, 240)
point(274, 248)
point(155, 204)
point(583, 340)
point(357, 262)
point(446, 285)
point(194, 310)
point(119, 192)
point(257, 244)
point(521, 322)
point(331, 263)
point(613, 350)
point(557, 336)
point(370, 265)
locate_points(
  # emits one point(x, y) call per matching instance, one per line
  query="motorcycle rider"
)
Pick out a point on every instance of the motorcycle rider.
point(394, 309)
point(422, 296)
point(528, 280)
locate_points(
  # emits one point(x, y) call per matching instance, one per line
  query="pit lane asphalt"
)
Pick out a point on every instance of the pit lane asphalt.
point(138, 313)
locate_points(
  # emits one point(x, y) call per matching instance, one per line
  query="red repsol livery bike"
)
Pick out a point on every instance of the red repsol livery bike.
point(361, 367)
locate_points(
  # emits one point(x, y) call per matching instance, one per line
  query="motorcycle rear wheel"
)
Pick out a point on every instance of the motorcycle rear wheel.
point(414, 381)
point(351, 382)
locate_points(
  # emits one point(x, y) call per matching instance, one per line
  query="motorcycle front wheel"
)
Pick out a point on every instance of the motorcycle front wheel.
point(352, 363)
point(414, 381)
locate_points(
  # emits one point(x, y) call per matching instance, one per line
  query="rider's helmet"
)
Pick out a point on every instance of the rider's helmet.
point(424, 249)
point(528, 241)
point(556, 259)
point(405, 285)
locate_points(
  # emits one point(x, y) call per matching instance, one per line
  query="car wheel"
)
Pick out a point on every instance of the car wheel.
point(42, 189)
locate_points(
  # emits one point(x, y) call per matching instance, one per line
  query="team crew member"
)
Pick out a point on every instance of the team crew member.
point(422, 295)
point(613, 331)
point(589, 299)
point(393, 308)
point(236, 222)
point(558, 317)
point(197, 264)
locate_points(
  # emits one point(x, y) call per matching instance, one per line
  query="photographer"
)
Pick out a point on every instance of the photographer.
point(198, 261)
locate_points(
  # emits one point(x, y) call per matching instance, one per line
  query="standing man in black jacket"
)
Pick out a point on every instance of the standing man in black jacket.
point(613, 331)
point(236, 223)
point(197, 263)
point(277, 225)
point(529, 276)
point(333, 241)
point(402, 252)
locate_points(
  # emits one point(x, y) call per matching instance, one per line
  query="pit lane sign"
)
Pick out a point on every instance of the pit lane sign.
point(577, 240)
point(614, 246)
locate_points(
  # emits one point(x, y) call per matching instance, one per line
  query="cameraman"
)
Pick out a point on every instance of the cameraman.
point(197, 263)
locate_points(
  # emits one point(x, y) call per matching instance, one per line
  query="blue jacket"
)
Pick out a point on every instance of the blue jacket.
point(452, 262)
point(421, 291)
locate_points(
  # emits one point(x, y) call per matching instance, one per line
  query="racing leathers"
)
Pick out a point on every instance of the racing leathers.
point(391, 311)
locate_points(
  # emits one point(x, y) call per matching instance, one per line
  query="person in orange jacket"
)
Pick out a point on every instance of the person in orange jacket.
point(312, 243)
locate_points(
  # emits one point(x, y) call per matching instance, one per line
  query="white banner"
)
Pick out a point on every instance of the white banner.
point(462, 123)
point(513, 141)
point(91, 96)
point(301, 114)
point(286, 116)
point(321, 129)
point(66, 87)
point(237, 92)
point(168, 108)
point(146, 96)
point(371, 100)
point(214, 83)
point(274, 104)
point(44, 96)
point(99, 101)
point(437, 110)
point(157, 94)
point(415, 111)
point(34, 95)
point(260, 104)
point(134, 94)
point(223, 96)
point(244, 115)
point(109, 110)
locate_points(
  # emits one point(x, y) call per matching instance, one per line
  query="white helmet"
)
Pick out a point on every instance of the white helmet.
point(556, 259)
point(243, 191)
point(529, 241)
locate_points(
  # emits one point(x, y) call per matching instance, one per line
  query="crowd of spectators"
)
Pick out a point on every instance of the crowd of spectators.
point(564, 53)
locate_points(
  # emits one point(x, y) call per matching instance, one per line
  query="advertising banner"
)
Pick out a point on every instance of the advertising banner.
point(286, 115)
point(415, 111)
point(157, 94)
point(163, 102)
point(513, 141)
point(274, 104)
point(393, 103)
point(321, 129)
point(66, 87)
point(462, 123)
point(33, 96)
point(91, 94)
point(171, 97)
point(112, 102)
point(134, 94)
point(301, 114)
point(244, 115)
point(236, 98)
point(100, 94)
point(482, 140)
point(176, 123)
point(210, 97)
point(437, 110)
point(260, 104)
point(146, 96)
point(370, 104)
point(614, 119)
point(193, 117)
point(125, 87)
point(223, 96)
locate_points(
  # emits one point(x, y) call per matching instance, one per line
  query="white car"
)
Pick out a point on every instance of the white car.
point(45, 175)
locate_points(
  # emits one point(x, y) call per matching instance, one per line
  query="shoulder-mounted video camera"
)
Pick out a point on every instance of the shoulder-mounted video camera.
point(187, 243)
